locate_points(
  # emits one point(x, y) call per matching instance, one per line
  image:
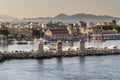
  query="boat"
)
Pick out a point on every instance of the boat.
point(41, 39)
point(49, 47)
point(30, 42)
point(112, 47)
point(20, 42)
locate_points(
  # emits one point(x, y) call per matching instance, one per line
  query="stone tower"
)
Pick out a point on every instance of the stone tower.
point(40, 47)
point(59, 46)
point(81, 46)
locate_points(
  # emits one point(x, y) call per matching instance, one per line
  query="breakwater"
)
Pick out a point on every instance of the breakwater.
point(51, 54)
point(58, 52)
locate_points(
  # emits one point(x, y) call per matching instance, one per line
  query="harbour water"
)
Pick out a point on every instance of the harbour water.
point(66, 45)
point(75, 68)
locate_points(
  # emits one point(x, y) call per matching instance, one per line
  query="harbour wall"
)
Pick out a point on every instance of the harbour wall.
point(41, 54)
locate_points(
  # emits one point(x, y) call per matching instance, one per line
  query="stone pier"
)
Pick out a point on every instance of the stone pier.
point(41, 54)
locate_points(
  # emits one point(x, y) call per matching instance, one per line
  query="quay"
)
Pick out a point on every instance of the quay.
point(58, 52)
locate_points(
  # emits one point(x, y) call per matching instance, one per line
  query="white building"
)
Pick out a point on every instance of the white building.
point(90, 24)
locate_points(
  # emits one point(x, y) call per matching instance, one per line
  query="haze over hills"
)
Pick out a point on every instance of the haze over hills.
point(71, 18)
point(62, 17)
point(7, 18)
point(84, 16)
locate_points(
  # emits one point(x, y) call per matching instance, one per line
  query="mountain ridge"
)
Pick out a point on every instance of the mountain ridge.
point(81, 16)
point(62, 17)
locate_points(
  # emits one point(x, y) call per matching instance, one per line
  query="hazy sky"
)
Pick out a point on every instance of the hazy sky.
point(46, 8)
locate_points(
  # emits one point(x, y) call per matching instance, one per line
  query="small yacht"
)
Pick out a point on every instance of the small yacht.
point(41, 39)
point(30, 42)
point(44, 40)
point(20, 42)
point(49, 47)
point(112, 47)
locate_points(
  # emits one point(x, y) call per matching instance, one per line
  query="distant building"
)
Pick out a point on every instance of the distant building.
point(74, 29)
point(118, 23)
point(113, 23)
point(70, 28)
point(54, 25)
point(81, 23)
point(105, 35)
point(98, 31)
point(101, 24)
point(90, 25)
point(57, 34)
point(109, 23)
point(77, 30)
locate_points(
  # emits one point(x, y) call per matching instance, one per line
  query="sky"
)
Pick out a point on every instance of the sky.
point(50, 8)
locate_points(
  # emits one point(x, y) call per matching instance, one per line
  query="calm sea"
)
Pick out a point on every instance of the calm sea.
point(75, 68)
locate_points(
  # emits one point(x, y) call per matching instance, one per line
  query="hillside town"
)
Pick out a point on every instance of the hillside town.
point(53, 31)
